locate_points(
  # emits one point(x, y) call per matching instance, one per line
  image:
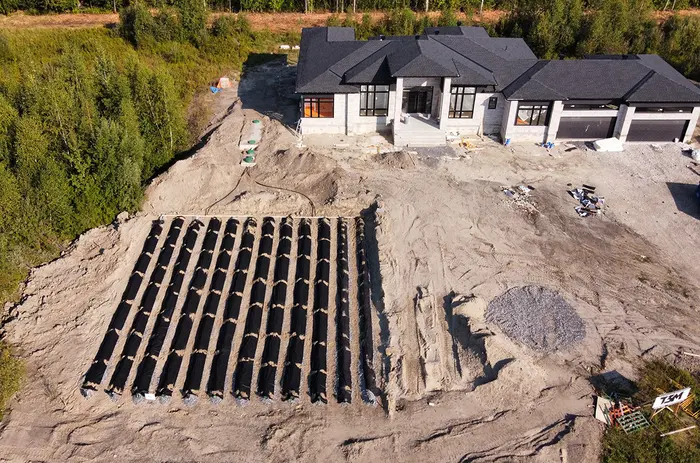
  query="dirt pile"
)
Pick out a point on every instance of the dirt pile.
point(537, 317)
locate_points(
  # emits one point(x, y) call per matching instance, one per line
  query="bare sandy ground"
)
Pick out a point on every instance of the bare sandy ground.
point(455, 388)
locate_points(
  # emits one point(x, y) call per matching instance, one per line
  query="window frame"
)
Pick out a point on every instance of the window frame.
point(316, 100)
point(460, 91)
point(535, 107)
point(591, 107)
point(663, 109)
point(370, 92)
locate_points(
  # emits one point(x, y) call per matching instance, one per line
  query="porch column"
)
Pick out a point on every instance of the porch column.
point(691, 125)
point(624, 120)
point(445, 102)
point(398, 100)
point(554, 118)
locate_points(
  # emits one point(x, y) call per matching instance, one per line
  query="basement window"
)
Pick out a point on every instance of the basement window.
point(462, 102)
point(318, 106)
point(530, 113)
point(652, 109)
point(374, 100)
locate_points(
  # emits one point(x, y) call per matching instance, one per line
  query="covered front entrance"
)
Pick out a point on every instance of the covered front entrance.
point(417, 100)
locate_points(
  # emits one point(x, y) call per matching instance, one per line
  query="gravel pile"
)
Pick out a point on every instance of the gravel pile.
point(537, 317)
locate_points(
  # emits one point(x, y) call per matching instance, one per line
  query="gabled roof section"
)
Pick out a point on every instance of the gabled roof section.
point(465, 31)
point(656, 88)
point(627, 78)
point(376, 71)
point(332, 61)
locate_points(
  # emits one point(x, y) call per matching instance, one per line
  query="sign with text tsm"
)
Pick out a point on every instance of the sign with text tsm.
point(671, 398)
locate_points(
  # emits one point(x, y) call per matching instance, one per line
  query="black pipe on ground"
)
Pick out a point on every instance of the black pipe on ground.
point(343, 353)
point(195, 371)
point(96, 372)
point(243, 375)
point(291, 379)
point(275, 315)
point(367, 380)
point(317, 376)
point(138, 324)
point(219, 366)
point(147, 367)
point(171, 369)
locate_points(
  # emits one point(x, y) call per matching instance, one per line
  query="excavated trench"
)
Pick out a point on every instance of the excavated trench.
point(138, 325)
point(97, 370)
point(246, 355)
point(198, 358)
point(301, 326)
point(171, 369)
point(275, 314)
point(144, 375)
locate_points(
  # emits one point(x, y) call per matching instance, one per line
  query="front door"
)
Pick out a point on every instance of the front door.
point(417, 100)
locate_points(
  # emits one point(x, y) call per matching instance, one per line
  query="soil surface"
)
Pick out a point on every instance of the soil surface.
point(447, 242)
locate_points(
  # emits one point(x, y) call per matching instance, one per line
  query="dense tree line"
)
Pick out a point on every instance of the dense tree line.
point(88, 116)
point(43, 6)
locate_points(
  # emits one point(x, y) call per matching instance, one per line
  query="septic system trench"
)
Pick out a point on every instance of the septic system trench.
point(302, 299)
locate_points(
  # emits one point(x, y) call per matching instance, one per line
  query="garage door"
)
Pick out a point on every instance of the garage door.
point(656, 130)
point(590, 128)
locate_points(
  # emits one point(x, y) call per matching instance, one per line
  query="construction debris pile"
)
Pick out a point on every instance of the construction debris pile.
point(590, 203)
point(537, 317)
point(520, 195)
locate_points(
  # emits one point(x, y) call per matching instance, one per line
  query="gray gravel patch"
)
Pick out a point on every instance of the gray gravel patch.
point(537, 317)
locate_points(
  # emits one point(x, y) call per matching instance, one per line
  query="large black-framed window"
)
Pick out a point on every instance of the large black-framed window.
point(462, 102)
point(374, 100)
point(318, 106)
point(532, 113)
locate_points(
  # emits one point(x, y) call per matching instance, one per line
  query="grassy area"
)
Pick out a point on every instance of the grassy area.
point(89, 116)
point(647, 445)
point(11, 374)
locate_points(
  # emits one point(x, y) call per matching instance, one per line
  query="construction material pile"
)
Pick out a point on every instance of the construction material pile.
point(520, 195)
point(537, 317)
point(590, 203)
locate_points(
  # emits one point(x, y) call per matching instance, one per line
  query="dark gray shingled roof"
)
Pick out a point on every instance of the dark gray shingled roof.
point(332, 61)
point(328, 63)
point(633, 78)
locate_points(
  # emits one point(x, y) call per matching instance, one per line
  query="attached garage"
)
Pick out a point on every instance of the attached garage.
point(587, 128)
point(650, 130)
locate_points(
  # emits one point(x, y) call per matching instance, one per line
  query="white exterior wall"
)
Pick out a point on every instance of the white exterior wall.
point(485, 120)
point(519, 133)
point(357, 124)
point(335, 124)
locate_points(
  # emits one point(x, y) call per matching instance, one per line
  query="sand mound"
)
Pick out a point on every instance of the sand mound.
point(395, 159)
point(537, 317)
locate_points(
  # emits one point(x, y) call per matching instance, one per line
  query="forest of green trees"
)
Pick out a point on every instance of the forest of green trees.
point(88, 116)
point(42, 6)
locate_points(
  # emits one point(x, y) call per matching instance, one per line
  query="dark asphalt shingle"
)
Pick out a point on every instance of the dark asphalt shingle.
point(332, 61)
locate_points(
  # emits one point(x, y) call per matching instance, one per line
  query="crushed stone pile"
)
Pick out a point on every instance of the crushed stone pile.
point(537, 317)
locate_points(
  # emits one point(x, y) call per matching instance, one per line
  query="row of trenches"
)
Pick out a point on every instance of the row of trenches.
point(272, 307)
